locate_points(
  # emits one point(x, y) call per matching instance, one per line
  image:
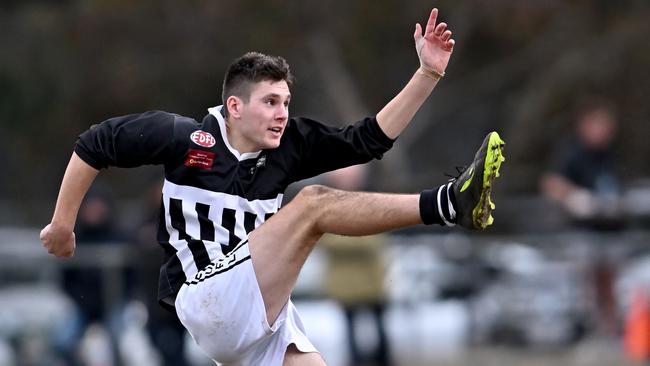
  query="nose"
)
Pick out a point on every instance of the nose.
point(282, 113)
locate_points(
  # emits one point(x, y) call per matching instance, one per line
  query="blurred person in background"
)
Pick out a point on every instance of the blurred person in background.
point(164, 329)
point(584, 180)
point(355, 275)
point(584, 177)
point(95, 225)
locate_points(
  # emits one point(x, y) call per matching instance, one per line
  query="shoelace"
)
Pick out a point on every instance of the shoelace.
point(459, 170)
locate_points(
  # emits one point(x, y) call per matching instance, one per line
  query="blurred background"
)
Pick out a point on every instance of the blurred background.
point(562, 278)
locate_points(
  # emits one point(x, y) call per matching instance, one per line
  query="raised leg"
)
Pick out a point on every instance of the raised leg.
point(281, 245)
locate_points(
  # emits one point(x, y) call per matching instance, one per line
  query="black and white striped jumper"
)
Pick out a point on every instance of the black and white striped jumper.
point(213, 196)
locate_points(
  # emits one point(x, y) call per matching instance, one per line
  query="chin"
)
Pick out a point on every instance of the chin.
point(272, 144)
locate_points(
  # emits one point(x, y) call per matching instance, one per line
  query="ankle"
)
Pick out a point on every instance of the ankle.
point(437, 206)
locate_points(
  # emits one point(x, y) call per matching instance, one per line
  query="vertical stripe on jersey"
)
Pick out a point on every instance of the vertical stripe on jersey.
point(200, 254)
point(228, 222)
point(206, 225)
point(172, 267)
point(178, 221)
point(175, 224)
point(249, 221)
point(205, 232)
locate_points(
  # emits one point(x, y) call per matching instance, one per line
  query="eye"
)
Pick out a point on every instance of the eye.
point(286, 104)
point(270, 102)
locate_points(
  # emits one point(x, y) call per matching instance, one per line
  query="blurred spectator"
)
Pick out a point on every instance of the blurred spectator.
point(95, 225)
point(85, 286)
point(585, 182)
point(355, 275)
point(165, 330)
point(584, 178)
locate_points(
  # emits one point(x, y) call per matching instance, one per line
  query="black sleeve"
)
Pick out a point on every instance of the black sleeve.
point(325, 148)
point(129, 141)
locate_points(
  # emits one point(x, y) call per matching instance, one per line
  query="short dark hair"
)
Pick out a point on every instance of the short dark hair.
point(251, 68)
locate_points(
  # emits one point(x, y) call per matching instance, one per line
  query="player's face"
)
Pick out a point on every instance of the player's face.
point(264, 117)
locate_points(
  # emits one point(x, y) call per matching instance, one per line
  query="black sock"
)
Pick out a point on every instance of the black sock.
point(437, 206)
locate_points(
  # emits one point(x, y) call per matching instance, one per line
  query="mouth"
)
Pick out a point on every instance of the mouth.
point(276, 131)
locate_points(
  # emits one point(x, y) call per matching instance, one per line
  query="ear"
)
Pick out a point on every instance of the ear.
point(234, 105)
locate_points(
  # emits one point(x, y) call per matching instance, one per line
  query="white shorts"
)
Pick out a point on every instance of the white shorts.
point(223, 310)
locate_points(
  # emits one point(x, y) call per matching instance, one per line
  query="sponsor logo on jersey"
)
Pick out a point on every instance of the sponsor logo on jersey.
point(199, 159)
point(221, 265)
point(202, 138)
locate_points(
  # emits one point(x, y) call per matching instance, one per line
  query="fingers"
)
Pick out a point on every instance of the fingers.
point(44, 237)
point(69, 252)
point(59, 247)
point(66, 254)
point(431, 23)
point(418, 31)
point(439, 31)
point(449, 45)
point(440, 28)
point(44, 232)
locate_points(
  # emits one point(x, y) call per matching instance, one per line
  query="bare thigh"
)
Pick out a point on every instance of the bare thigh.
point(293, 357)
point(280, 246)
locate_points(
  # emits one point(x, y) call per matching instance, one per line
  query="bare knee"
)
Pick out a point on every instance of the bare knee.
point(313, 202)
point(314, 192)
point(314, 196)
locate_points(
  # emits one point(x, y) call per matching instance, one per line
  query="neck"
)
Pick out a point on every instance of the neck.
point(236, 140)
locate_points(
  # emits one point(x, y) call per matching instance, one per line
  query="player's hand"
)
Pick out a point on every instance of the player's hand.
point(435, 46)
point(58, 241)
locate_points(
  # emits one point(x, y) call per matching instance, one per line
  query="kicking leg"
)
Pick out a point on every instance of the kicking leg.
point(281, 245)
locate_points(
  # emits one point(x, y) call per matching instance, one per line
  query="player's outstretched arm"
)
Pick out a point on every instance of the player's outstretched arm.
point(58, 236)
point(127, 142)
point(434, 48)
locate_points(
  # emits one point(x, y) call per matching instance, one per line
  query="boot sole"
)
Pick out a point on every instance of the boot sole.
point(482, 212)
